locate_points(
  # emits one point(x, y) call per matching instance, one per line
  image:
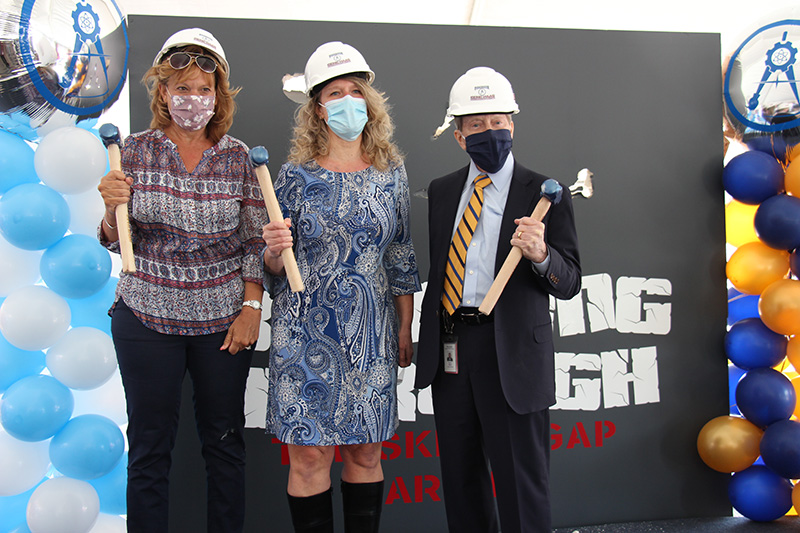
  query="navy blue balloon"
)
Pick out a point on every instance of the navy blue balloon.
point(777, 222)
point(77, 266)
point(760, 494)
point(36, 407)
point(780, 448)
point(33, 216)
point(112, 488)
point(87, 447)
point(772, 145)
point(741, 306)
point(16, 363)
point(765, 396)
point(734, 375)
point(752, 177)
point(750, 344)
point(794, 264)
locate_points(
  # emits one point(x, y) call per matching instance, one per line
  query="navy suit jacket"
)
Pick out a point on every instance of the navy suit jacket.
point(523, 329)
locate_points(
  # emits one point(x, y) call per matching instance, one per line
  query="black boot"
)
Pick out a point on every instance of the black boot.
point(362, 504)
point(312, 514)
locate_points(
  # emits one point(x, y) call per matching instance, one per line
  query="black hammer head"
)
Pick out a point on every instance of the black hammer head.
point(109, 133)
point(258, 156)
point(552, 190)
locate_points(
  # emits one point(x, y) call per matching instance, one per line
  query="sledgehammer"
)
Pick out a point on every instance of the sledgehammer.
point(109, 133)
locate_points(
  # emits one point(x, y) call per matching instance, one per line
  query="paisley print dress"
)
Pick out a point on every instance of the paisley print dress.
point(333, 358)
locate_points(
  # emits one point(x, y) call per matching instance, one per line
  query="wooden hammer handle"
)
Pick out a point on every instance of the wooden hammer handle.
point(123, 223)
point(274, 212)
point(511, 262)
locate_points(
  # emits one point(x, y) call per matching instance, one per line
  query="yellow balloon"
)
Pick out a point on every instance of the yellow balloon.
point(793, 152)
point(754, 266)
point(739, 227)
point(796, 497)
point(729, 443)
point(792, 178)
point(793, 354)
point(779, 307)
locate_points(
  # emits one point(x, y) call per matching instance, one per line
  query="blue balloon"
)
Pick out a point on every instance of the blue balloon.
point(752, 177)
point(741, 306)
point(16, 160)
point(33, 216)
point(773, 145)
point(777, 222)
point(760, 494)
point(780, 448)
point(750, 344)
point(13, 508)
point(87, 447)
point(112, 488)
point(93, 311)
point(734, 375)
point(36, 407)
point(765, 396)
point(77, 266)
point(16, 363)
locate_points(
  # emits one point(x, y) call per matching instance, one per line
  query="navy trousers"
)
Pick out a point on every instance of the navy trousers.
point(485, 445)
point(153, 366)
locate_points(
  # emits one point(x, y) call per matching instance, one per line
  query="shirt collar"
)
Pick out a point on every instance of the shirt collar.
point(500, 179)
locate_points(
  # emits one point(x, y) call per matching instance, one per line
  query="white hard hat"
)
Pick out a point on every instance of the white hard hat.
point(480, 90)
point(197, 37)
point(332, 60)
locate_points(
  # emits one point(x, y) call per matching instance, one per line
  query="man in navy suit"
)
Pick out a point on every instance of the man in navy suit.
point(492, 376)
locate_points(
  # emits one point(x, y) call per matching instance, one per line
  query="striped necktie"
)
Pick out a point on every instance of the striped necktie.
point(457, 256)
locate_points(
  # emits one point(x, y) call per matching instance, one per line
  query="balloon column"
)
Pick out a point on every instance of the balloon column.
point(62, 451)
point(762, 110)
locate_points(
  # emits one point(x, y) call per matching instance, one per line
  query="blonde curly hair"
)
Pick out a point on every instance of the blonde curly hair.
point(311, 139)
point(224, 106)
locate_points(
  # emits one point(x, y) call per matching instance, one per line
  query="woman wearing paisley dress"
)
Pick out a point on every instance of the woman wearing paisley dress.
point(336, 346)
point(193, 304)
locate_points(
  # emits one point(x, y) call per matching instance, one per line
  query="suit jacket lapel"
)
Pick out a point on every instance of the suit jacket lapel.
point(446, 215)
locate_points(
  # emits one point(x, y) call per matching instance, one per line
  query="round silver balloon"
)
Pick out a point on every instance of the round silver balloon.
point(61, 60)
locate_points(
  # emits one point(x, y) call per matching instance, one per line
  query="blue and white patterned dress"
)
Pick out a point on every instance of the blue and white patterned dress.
point(333, 359)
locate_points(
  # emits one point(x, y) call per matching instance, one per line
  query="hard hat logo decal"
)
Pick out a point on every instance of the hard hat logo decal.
point(337, 59)
point(482, 93)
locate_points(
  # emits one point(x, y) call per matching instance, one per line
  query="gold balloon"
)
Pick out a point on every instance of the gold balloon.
point(792, 178)
point(793, 354)
point(729, 443)
point(793, 152)
point(739, 226)
point(779, 307)
point(754, 266)
point(796, 497)
point(796, 385)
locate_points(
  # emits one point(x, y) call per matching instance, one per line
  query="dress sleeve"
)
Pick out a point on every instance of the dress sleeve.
point(252, 217)
point(399, 259)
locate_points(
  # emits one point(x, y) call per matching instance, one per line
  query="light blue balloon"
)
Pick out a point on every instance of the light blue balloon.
point(36, 407)
point(12, 510)
point(77, 266)
point(112, 488)
point(16, 162)
point(33, 216)
point(93, 310)
point(87, 447)
point(16, 363)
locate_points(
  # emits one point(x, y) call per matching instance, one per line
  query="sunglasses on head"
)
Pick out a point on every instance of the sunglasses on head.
point(181, 60)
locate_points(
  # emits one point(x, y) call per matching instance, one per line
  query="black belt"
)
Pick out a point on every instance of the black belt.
point(471, 316)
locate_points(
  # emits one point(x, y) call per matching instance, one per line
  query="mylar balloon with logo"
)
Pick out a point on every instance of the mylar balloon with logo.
point(761, 91)
point(64, 59)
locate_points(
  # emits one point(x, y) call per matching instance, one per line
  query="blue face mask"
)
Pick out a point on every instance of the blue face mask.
point(489, 149)
point(347, 116)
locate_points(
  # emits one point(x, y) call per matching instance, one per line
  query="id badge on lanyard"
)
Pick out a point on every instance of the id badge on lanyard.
point(449, 346)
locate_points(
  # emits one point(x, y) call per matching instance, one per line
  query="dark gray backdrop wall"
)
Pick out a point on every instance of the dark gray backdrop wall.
point(641, 360)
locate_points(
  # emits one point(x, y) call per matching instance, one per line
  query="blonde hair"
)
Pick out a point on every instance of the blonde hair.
point(224, 106)
point(311, 138)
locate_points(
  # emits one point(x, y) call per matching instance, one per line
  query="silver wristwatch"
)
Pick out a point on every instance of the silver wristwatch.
point(255, 304)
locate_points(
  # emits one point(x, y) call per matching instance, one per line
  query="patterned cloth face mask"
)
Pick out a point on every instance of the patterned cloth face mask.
point(192, 111)
point(347, 116)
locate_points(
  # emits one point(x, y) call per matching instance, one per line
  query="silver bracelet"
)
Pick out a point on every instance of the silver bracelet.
point(109, 225)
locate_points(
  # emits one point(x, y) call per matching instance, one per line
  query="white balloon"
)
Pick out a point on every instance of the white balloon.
point(18, 267)
point(84, 358)
point(85, 211)
point(109, 523)
point(22, 464)
point(107, 400)
point(70, 160)
point(34, 317)
point(63, 505)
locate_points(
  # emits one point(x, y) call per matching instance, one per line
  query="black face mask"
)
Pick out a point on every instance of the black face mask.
point(489, 149)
